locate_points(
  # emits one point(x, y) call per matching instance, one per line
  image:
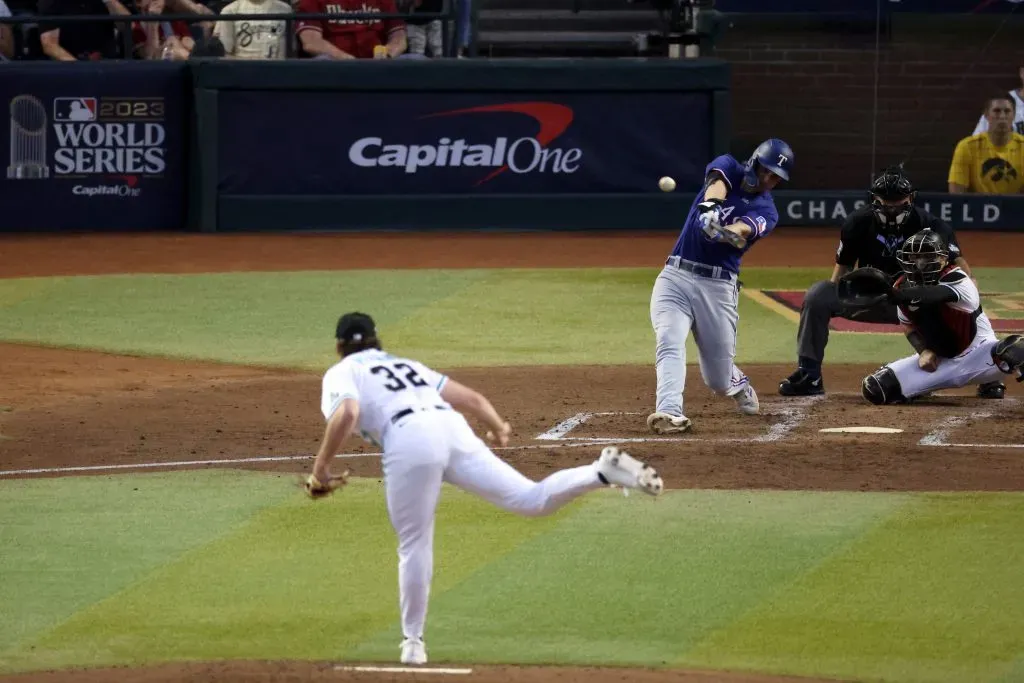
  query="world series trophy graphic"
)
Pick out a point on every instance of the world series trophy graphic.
point(28, 139)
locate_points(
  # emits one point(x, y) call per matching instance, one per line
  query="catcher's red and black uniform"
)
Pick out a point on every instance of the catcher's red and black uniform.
point(958, 331)
point(950, 328)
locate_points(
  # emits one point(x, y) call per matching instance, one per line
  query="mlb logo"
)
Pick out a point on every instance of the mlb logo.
point(74, 109)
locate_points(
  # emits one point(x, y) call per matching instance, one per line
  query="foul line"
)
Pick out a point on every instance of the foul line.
point(771, 304)
point(403, 670)
point(236, 461)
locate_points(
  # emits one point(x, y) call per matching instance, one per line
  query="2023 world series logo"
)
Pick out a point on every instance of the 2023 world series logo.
point(112, 138)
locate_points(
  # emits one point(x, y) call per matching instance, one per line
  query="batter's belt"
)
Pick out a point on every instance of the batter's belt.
point(699, 269)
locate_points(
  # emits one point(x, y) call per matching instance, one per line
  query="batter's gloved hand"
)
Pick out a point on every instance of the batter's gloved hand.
point(864, 288)
point(317, 488)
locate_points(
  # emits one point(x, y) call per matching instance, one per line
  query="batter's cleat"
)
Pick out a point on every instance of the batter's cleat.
point(663, 423)
point(414, 652)
point(991, 390)
point(801, 384)
point(618, 468)
point(746, 401)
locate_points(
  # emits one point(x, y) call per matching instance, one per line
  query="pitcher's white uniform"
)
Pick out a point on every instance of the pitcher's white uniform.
point(964, 337)
point(425, 442)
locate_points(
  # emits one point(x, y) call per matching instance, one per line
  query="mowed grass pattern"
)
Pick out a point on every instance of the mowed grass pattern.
point(896, 587)
point(447, 318)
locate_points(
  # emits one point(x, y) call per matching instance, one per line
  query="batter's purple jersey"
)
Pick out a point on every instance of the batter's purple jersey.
point(756, 209)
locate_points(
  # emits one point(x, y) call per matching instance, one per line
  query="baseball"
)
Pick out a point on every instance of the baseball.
point(667, 184)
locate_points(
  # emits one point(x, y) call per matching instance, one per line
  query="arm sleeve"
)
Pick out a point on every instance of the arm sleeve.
point(925, 296)
point(960, 168)
point(728, 168)
point(761, 222)
point(308, 7)
point(393, 24)
point(49, 8)
point(225, 30)
point(846, 254)
point(337, 386)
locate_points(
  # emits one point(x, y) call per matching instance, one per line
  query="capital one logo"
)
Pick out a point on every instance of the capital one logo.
point(519, 155)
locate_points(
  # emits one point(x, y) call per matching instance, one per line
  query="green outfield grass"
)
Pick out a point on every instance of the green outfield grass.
point(447, 318)
point(893, 587)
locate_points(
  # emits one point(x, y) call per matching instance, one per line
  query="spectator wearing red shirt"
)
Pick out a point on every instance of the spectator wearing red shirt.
point(351, 38)
point(156, 40)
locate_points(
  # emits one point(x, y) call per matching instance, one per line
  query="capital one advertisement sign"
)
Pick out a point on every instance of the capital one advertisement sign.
point(430, 143)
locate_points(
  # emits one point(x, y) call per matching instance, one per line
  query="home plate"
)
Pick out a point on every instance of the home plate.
point(861, 430)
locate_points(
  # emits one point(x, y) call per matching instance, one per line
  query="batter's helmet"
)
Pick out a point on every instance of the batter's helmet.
point(923, 256)
point(772, 154)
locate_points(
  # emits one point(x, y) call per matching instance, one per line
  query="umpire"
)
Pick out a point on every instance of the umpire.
point(871, 236)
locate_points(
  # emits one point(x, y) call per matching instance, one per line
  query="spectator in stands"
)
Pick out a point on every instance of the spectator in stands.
point(1018, 100)
point(6, 35)
point(254, 39)
point(72, 42)
point(351, 38)
point(423, 33)
point(991, 162)
point(168, 40)
point(463, 26)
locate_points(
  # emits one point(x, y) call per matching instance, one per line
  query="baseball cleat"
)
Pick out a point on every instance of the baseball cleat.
point(618, 468)
point(414, 652)
point(746, 401)
point(992, 390)
point(663, 423)
point(801, 384)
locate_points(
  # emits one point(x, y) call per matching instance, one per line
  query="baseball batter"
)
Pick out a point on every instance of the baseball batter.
point(939, 307)
point(698, 289)
point(409, 411)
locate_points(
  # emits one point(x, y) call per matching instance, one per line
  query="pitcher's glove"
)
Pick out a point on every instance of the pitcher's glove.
point(316, 488)
point(864, 288)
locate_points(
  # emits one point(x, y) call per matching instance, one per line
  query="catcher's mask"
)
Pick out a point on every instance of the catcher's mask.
point(355, 332)
point(892, 198)
point(923, 256)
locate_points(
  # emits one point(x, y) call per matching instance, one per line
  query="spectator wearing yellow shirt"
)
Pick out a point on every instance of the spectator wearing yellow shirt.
point(991, 162)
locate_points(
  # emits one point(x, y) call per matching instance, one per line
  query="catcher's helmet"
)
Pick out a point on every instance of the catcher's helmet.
point(772, 154)
point(892, 185)
point(923, 256)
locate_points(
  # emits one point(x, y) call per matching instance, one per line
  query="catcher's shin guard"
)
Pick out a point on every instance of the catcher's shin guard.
point(882, 388)
point(1008, 356)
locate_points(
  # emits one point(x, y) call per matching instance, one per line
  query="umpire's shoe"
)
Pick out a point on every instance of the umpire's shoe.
point(800, 383)
point(991, 390)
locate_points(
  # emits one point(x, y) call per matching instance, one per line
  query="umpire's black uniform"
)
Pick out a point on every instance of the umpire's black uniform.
point(865, 241)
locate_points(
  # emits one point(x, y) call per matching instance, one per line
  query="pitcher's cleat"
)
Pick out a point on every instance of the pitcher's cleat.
point(663, 423)
point(618, 468)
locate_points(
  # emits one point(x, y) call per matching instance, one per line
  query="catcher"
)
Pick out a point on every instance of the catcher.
point(871, 237)
point(407, 409)
point(939, 307)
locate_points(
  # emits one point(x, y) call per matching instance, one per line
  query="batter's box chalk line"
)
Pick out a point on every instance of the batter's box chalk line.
point(793, 413)
point(939, 435)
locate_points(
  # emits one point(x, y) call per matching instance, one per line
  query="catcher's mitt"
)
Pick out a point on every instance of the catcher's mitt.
point(864, 287)
point(321, 489)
